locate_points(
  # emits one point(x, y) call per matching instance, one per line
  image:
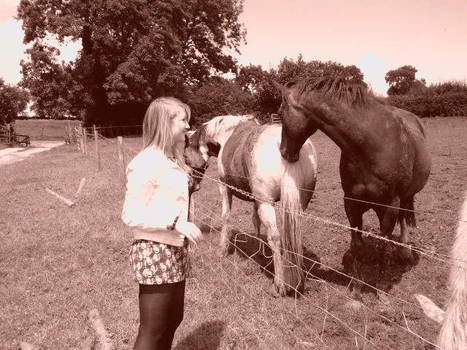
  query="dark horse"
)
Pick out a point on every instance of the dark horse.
point(384, 159)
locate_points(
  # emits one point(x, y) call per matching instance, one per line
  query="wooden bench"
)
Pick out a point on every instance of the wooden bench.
point(11, 138)
point(24, 140)
point(275, 118)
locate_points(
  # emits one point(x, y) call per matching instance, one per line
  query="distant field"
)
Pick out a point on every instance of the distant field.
point(43, 129)
point(57, 263)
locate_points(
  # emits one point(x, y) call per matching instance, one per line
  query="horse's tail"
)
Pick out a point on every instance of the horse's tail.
point(291, 237)
point(408, 211)
point(453, 334)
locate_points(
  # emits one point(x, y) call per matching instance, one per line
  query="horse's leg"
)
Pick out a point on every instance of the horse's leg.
point(257, 225)
point(405, 252)
point(256, 220)
point(388, 217)
point(226, 194)
point(354, 213)
point(268, 218)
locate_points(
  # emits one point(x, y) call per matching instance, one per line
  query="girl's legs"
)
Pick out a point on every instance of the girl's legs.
point(161, 312)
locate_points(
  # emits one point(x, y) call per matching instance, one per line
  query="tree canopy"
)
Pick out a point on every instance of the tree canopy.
point(132, 51)
point(13, 102)
point(219, 96)
point(400, 80)
point(260, 83)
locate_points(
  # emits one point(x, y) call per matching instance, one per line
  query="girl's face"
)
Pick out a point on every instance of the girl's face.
point(179, 127)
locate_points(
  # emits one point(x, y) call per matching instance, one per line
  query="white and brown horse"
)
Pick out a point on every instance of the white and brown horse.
point(453, 334)
point(251, 168)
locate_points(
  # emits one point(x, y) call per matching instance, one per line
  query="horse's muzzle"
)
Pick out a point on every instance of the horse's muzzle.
point(289, 157)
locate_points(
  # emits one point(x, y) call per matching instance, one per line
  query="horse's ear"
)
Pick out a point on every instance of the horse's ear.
point(191, 138)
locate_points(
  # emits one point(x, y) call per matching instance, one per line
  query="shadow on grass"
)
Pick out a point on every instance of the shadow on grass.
point(385, 269)
point(207, 336)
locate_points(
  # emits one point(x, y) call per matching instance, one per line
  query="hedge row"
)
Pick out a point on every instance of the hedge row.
point(433, 105)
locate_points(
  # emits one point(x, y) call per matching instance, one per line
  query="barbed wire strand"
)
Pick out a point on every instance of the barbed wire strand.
point(347, 297)
point(426, 252)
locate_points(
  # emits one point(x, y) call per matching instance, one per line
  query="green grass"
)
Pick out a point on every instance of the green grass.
point(57, 263)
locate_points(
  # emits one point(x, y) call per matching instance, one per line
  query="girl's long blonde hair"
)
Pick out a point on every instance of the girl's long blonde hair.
point(157, 129)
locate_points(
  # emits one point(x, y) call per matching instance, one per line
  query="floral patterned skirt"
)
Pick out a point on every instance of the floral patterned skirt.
point(158, 263)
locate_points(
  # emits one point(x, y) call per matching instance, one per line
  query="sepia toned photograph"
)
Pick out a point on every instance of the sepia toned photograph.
point(233, 174)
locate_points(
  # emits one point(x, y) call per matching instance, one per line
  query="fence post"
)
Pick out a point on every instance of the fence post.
point(121, 157)
point(68, 132)
point(9, 134)
point(85, 141)
point(98, 155)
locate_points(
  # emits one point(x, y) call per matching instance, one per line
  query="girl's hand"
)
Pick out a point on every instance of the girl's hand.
point(189, 230)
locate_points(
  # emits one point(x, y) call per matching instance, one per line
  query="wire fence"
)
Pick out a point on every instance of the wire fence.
point(109, 154)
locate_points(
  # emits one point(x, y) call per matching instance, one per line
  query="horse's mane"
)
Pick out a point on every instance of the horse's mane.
point(339, 87)
point(222, 124)
point(453, 334)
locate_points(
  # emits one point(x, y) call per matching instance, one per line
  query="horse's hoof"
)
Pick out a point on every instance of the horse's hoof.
point(222, 252)
point(277, 291)
point(383, 297)
point(405, 256)
point(353, 305)
point(356, 295)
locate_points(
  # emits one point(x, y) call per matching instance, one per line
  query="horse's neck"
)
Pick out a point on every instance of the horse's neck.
point(351, 131)
point(221, 139)
point(222, 136)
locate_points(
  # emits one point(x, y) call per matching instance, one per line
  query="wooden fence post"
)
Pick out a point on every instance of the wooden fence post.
point(69, 135)
point(121, 157)
point(98, 155)
point(85, 141)
point(10, 141)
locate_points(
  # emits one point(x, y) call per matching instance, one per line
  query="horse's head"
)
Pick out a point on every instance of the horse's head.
point(296, 124)
point(197, 153)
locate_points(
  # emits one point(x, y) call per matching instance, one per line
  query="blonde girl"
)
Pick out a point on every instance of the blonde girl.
point(156, 209)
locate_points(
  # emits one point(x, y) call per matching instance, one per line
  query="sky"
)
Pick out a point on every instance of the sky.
point(375, 35)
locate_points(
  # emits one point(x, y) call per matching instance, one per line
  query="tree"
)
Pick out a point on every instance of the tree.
point(260, 83)
point(50, 84)
point(132, 51)
point(219, 96)
point(400, 80)
point(250, 78)
point(13, 102)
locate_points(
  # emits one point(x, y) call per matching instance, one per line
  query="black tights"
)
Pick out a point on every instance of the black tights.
point(160, 313)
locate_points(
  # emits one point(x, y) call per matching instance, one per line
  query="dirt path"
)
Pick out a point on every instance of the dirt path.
point(16, 154)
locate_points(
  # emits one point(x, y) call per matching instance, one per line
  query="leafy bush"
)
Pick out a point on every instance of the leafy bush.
point(431, 105)
point(219, 96)
point(446, 99)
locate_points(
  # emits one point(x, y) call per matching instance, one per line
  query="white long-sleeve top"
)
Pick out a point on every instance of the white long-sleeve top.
point(156, 194)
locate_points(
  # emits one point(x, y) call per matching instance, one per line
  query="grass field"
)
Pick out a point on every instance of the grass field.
point(39, 129)
point(57, 263)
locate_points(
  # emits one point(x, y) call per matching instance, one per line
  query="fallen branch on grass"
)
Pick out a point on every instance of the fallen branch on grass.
point(63, 199)
point(101, 340)
point(80, 187)
point(26, 346)
point(103, 337)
